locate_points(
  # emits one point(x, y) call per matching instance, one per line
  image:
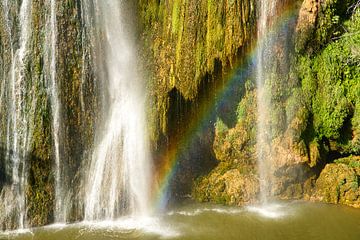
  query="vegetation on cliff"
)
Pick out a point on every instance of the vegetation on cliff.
point(78, 98)
point(183, 42)
point(318, 108)
point(190, 49)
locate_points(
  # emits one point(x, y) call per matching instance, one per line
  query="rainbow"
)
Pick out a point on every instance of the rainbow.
point(242, 71)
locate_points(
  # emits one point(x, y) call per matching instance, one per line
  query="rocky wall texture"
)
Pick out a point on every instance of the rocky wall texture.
point(316, 109)
point(40, 188)
point(35, 133)
point(190, 48)
point(183, 40)
point(77, 98)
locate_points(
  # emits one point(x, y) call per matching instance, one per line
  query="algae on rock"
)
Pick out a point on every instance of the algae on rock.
point(79, 106)
point(339, 182)
point(316, 112)
point(184, 39)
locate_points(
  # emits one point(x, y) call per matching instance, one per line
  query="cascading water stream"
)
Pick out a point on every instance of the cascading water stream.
point(86, 33)
point(19, 127)
point(50, 72)
point(118, 181)
point(267, 10)
point(20, 115)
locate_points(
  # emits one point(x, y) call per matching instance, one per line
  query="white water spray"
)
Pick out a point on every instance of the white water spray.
point(20, 115)
point(50, 70)
point(267, 11)
point(119, 177)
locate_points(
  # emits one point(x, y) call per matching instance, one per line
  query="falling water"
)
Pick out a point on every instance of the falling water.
point(20, 115)
point(119, 175)
point(86, 33)
point(50, 72)
point(267, 10)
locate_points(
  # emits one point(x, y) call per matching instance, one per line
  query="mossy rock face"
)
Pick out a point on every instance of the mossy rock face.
point(8, 216)
point(236, 145)
point(234, 180)
point(331, 85)
point(316, 108)
point(40, 189)
point(231, 187)
point(319, 21)
point(185, 41)
point(35, 108)
point(291, 168)
point(235, 148)
point(339, 182)
point(77, 97)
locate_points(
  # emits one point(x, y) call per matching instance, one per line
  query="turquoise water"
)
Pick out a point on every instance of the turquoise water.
point(296, 220)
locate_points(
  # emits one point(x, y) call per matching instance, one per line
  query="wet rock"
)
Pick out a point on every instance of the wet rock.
point(290, 169)
point(315, 155)
point(231, 187)
point(186, 41)
point(8, 210)
point(237, 144)
point(306, 22)
point(339, 182)
point(234, 181)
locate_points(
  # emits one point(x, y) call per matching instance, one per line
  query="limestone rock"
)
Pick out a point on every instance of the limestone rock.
point(232, 187)
point(339, 182)
point(306, 21)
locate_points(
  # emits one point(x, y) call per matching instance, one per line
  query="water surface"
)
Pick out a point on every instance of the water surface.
point(295, 220)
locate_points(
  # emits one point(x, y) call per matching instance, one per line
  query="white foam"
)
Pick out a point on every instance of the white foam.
point(144, 224)
point(205, 210)
point(119, 176)
point(30, 231)
point(17, 232)
point(149, 225)
point(55, 226)
point(272, 210)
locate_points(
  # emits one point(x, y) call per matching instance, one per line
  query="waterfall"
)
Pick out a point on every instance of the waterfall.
point(20, 108)
point(267, 10)
point(18, 142)
point(50, 72)
point(118, 180)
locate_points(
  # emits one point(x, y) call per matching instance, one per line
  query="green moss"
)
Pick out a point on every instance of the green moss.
point(183, 40)
point(40, 188)
point(350, 161)
point(294, 103)
point(241, 112)
point(332, 14)
point(220, 126)
point(175, 16)
point(315, 108)
point(330, 83)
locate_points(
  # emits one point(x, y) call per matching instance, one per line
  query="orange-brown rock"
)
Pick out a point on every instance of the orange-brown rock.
point(339, 182)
